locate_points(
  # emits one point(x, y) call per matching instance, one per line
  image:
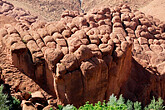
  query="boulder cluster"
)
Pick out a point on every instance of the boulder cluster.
point(36, 101)
point(85, 56)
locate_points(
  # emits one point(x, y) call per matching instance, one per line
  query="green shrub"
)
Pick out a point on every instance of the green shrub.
point(129, 105)
point(69, 107)
point(117, 104)
point(15, 103)
point(3, 100)
point(60, 107)
point(114, 104)
point(8, 102)
point(24, 41)
point(155, 105)
point(137, 106)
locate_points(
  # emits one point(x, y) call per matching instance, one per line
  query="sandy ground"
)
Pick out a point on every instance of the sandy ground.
point(88, 4)
point(156, 8)
point(48, 10)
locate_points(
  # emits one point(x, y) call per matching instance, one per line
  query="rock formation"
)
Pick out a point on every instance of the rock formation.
point(88, 56)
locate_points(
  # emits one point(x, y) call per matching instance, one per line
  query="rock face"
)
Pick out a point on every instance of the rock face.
point(88, 56)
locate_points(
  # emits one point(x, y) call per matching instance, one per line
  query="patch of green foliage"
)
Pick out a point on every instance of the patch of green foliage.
point(24, 41)
point(155, 105)
point(8, 103)
point(15, 103)
point(3, 100)
point(116, 104)
point(69, 107)
point(60, 107)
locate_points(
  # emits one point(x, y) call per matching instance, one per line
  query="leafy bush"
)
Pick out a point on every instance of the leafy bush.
point(69, 107)
point(15, 103)
point(114, 104)
point(155, 105)
point(137, 106)
point(60, 107)
point(8, 102)
point(3, 100)
point(117, 104)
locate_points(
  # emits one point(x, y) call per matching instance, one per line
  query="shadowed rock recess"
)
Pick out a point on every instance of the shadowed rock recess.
point(88, 56)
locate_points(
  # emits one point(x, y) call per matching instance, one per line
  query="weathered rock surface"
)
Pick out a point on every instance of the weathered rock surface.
point(27, 105)
point(88, 56)
point(49, 107)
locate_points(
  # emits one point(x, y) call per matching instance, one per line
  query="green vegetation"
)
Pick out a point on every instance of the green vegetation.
point(11, 103)
point(117, 104)
point(24, 41)
point(3, 100)
point(8, 102)
point(155, 105)
point(15, 104)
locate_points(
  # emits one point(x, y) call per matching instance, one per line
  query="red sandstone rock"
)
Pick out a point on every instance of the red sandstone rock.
point(83, 53)
point(32, 46)
point(49, 107)
point(156, 48)
point(27, 105)
point(42, 32)
point(89, 55)
point(66, 33)
point(70, 61)
point(52, 56)
point(161, 69)
point(106, 49)
point(48, 39)
point(27, 38)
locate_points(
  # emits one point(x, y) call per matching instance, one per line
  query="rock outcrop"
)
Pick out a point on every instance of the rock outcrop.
point(88, 56)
